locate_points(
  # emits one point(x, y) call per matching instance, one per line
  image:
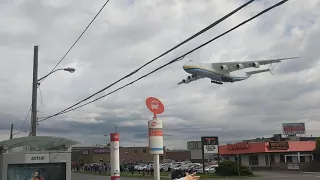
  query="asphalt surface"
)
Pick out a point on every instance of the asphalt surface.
point(262, 176)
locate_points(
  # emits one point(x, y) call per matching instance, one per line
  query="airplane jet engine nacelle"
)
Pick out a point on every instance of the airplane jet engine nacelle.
point(224, 68)
point(255, 65)
point(240, 66)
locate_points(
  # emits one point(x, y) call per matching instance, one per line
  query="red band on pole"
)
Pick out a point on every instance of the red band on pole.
point(115, 177)
point(114, 137)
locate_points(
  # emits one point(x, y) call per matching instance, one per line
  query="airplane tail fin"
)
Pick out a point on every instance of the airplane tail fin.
point(258, 71)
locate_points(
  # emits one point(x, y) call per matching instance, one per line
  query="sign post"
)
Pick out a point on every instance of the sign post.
point(209, 145)
point(155, 133)
point(114, 156)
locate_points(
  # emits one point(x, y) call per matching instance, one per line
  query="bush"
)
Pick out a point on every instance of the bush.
point(230, 168)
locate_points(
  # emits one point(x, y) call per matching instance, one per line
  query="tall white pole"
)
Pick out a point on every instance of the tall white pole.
point(114, 156)
point(156, 167)
point(156, 144)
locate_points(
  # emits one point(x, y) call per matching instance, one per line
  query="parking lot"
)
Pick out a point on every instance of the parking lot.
point(261, 176)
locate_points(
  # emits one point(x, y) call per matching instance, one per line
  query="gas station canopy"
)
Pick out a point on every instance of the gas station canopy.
point(39, 143)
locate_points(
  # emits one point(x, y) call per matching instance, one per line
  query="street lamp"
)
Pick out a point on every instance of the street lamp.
point(36, 82)
point(71, 70)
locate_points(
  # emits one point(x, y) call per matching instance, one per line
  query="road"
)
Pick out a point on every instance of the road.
point(262, 176)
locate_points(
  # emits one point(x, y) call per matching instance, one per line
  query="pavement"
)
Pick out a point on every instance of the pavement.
point(263, 175)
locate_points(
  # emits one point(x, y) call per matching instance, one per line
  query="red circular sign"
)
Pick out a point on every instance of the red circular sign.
point(155, 105)
point(153, 123)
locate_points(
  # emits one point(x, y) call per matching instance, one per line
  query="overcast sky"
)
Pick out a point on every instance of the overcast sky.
point(129, 33)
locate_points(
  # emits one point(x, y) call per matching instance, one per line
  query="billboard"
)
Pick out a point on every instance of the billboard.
point(38, 171)
point(210, 145)
point(293, 128)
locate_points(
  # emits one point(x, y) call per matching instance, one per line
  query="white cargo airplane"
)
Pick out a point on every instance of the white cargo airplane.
point(223, 72)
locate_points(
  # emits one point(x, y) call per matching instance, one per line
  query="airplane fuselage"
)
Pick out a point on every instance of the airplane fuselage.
point(214, 73)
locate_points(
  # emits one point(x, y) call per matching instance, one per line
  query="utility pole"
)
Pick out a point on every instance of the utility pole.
point(34, 92)
point(11, 131)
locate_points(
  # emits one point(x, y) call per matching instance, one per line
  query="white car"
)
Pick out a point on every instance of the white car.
point(208, 169)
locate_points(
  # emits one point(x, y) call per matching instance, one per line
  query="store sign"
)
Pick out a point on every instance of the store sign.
point(211, 149)
point(278, 145)
point(293, 128)
point(293, 166)
point(101, 150)
point(37, 158)
point(210, 145)
point(238, 146)
point(209, 140)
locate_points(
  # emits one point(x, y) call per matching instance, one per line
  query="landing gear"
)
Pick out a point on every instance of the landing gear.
point(216, 82)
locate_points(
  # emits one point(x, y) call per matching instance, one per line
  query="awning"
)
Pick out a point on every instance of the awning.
point(42, 143)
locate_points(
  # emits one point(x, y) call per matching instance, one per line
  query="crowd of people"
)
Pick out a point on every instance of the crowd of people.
point(105, 168)
point(129, 167)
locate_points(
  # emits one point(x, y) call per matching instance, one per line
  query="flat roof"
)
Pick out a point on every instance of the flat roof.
point(43, 143)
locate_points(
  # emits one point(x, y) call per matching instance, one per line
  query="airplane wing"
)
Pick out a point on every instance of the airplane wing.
point(233, 66)
point(190, 79)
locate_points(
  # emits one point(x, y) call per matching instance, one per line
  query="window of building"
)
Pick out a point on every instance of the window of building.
point(227, 158)
point(144, 150)
point(289, 159)
point(282, 158)
point(302, 159)
point(267, 159)
point(253, 160)
point(272, 158)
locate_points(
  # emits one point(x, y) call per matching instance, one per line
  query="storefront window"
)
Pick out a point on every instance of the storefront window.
point(282, 158)
point(302, 159)
point(289, 159)
point(253, 160)
point(267, 159)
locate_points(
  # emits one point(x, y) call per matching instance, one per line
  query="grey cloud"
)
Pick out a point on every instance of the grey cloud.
point(127, 35)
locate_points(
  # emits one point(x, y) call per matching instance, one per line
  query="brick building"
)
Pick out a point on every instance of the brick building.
point(95, 154)
point(178, 155)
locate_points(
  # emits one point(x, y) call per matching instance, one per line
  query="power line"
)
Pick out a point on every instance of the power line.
point(41, 98)
point(24, 123)
point(78, 38)
point(172, 61)
point(168, 51)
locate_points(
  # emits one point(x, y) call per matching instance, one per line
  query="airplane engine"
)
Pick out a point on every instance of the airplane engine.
point(255, 65)
point(189, 77)
point(224, 68)
point(240, 66)
point(183, 81)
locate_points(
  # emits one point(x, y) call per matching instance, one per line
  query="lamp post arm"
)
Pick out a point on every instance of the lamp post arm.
point(48, 75)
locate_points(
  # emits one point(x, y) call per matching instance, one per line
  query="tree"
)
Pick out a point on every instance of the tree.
point(230, 168)
point(317, 149)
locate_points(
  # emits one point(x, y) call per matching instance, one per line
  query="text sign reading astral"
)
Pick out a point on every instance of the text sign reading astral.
point(37, 158)
point(154, 105)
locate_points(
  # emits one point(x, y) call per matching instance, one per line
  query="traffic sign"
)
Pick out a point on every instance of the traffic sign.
point(154, 105)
